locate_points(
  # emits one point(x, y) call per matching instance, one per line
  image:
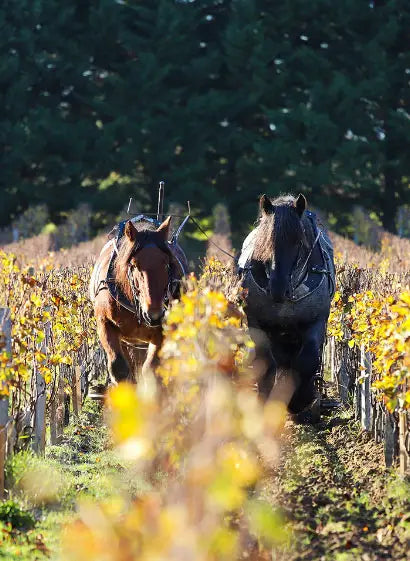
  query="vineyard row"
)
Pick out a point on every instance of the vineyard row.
point(53, 352)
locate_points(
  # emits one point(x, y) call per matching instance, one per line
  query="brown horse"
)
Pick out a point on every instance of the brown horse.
point(129, 287)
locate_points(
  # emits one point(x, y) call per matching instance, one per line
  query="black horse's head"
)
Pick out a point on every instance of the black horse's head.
point(281, 228)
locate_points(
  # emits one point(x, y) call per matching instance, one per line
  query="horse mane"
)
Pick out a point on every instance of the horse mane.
point(280, 227)
point(125, 250)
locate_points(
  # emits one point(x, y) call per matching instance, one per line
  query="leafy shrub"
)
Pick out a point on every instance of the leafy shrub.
point(17, 466)
point(11, 513)
point(32, 221)
point(202, 442)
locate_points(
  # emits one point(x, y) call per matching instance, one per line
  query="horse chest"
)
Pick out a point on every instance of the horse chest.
point(133, 333)
point(261, 308)
point(143, 335)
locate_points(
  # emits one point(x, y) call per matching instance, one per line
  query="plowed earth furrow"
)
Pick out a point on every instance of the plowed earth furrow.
point(340, 502)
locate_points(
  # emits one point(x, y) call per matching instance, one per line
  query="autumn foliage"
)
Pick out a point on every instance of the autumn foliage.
point(371, 311)
point(52, 324)
point(203, 443)
point(198, 437)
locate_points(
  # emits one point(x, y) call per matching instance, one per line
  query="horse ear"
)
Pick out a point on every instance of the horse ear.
point(301, 204)
point(265, 205)
point(164, 228)
point(130, 231)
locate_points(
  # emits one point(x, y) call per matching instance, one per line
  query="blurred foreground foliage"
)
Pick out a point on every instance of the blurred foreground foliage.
point(203, 442)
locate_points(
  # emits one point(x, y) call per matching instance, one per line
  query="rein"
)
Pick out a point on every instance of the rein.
point(209, 240)
point(305, 264)
point(179, 230)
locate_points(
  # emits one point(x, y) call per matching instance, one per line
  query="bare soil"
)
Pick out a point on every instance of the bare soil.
point(339, 500)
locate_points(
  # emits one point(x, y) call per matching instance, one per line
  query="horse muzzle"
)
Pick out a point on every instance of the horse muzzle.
point(280, 288)
point(155, 317)
point(278, 293)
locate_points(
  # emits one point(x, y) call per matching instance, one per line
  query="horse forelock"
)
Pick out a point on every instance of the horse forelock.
point(125, 250)
point(288, 228)
point(281, 228)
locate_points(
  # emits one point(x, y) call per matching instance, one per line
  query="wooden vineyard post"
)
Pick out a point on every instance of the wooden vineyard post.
point(5, 331)
point(390, 435)
point(3, 440)
point(364, 389)
point(57, 410)
point(39, 443)
point(60, 413)
point(404, 453)
point(327, 359)
point(76, 389)
point(343, 375)
point(53, 419)
point(53, 410)
point(357, 396)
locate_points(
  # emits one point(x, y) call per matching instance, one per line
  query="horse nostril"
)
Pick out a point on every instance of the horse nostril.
point(155, 316)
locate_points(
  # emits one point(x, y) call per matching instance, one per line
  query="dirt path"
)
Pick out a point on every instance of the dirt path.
point(340, 502)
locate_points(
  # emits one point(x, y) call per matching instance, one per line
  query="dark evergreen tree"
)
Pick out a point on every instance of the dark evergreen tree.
point(224, 99)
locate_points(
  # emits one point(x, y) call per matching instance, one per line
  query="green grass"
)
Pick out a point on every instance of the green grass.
point(83, 466)
point(339, 502)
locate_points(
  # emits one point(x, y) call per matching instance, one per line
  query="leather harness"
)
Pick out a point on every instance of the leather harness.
point(302, 283)
point(110, 284)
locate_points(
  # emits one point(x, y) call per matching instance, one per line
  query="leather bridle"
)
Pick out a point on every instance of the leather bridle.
point(144, 243)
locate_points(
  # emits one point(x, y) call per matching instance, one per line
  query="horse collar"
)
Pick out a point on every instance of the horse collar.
point(301, 282)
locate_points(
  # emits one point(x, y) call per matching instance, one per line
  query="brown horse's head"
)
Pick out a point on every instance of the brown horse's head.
point(145, 255)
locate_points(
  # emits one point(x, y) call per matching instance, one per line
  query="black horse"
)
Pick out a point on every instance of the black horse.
point(287, 268)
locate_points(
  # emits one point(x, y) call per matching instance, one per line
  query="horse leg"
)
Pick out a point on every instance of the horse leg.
point(118, 367)
point(151, 360)
point(150, 365)
point(264, 364)
point(307, 365)
point(136, 357)
point(130, 358)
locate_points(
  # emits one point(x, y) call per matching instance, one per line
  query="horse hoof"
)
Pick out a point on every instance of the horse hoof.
point(315, 411)
point(97, 392)
point(308, 416)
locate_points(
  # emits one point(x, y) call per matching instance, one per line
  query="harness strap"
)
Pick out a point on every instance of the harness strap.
point(110, 284)
point(245, 265)
point(311, 250)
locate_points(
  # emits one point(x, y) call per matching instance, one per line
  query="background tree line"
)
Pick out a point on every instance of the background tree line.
point(224, 99)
